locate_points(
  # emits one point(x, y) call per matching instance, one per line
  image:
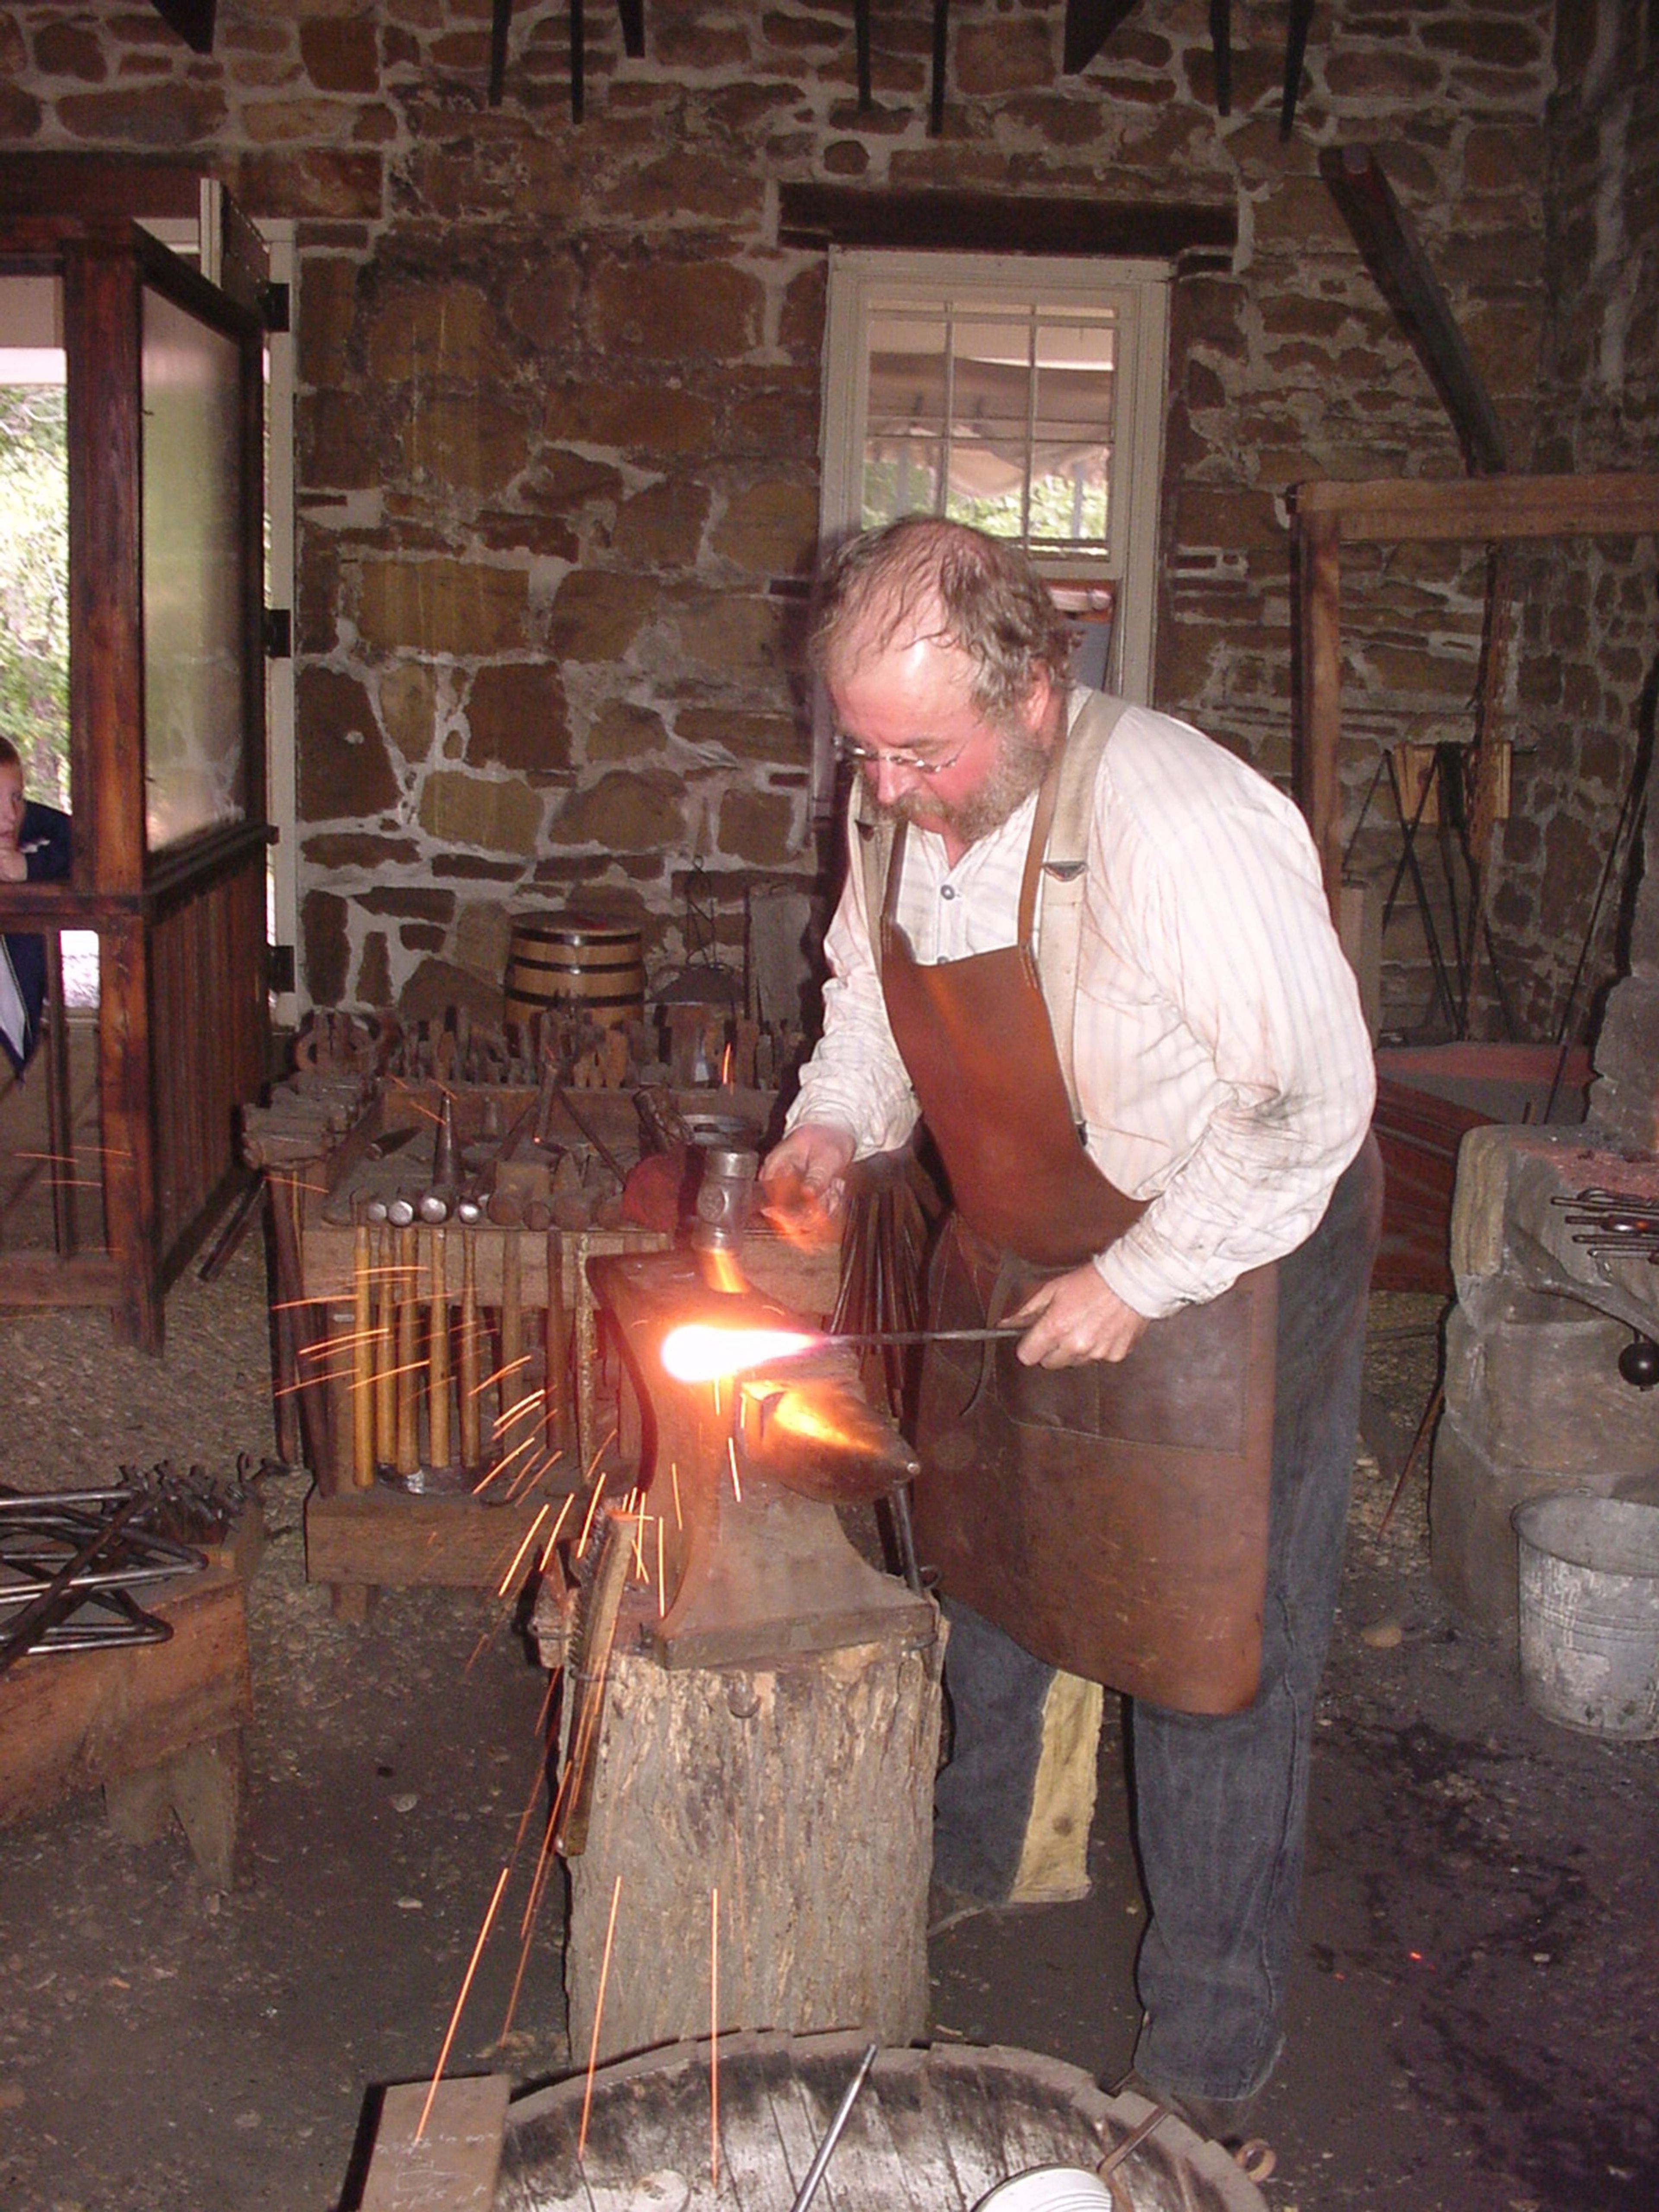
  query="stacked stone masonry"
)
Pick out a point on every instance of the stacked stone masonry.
point(560, 393)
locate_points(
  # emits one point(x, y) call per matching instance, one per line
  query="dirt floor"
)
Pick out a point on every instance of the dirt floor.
point(1472, 2021)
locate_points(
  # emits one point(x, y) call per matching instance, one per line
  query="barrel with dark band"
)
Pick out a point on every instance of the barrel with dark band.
point(575, 964)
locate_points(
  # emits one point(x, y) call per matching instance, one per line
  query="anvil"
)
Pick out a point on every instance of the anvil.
point(745, 1476)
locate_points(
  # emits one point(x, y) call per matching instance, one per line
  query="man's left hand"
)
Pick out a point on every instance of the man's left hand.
point(1077, 1317)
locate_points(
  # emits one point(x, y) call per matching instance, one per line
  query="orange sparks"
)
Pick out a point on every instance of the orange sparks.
point(592, 1508)
point(699, 1352)
point(529, 1539)
point(553, 1537)
point(674, 1476)
point(599, 2015)
point(455, 2017)
point(732, 1455)
point(726, 1069)
point(662, 1579)
point(714, 2036)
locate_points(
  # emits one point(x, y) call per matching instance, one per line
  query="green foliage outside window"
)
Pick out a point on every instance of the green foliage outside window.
point(35, 584)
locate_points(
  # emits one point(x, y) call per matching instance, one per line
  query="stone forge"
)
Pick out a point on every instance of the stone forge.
point(1535, 1398)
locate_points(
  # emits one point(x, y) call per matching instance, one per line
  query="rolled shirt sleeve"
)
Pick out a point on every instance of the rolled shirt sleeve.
point(855, 1078)
point(1210, 956)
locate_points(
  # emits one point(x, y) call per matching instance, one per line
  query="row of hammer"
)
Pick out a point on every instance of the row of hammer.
point(409, 1352)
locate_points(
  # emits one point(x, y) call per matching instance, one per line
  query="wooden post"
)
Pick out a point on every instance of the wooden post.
point(471, 1377)
point(1319, 588)
point(362, 1360)
point(406, 1280)
point(804, 1791)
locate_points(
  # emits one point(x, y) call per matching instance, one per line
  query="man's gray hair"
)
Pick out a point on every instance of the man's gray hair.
point(923, 577)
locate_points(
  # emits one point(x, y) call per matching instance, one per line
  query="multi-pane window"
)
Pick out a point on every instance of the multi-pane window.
point(1025, 396)
point(1000, 413)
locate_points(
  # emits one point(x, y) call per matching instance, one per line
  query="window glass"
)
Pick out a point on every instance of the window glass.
point(194, 768)
point(999, 414)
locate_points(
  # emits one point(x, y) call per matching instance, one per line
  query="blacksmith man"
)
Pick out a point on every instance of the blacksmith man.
point(1066, 919)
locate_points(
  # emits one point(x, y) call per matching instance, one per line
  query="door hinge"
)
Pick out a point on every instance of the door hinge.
point(278, 632)
point(279, 968)
point(273, 307)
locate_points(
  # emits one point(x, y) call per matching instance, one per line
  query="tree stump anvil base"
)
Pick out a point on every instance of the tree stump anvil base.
point(772, 1738)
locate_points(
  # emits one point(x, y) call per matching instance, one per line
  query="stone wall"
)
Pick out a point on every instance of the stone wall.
point(1589, 667)
point(560, 390)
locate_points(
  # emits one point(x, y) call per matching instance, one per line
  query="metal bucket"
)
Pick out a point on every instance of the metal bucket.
point(575, 964)
point(1590, 1611)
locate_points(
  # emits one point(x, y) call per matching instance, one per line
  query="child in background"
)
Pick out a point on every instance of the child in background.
point(34, 848)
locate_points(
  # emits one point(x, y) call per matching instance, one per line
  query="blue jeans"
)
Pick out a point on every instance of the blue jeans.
point(1220, 1804)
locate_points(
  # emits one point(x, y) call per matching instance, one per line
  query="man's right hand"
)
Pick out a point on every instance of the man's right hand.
point(804, 1178)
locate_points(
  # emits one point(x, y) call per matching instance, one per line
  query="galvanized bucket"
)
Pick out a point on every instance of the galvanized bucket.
point(1590, 1611)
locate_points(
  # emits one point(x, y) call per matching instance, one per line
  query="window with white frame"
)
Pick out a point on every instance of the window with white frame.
point(1025, 396)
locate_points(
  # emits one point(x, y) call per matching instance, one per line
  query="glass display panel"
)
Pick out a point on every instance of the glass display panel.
point(34, 535)
point(195, 775)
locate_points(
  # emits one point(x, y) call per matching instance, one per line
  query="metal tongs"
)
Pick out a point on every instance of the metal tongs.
point(1617, 1221)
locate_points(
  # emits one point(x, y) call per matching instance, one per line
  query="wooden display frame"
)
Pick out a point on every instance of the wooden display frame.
point(183, 1015)
point(1392, 510)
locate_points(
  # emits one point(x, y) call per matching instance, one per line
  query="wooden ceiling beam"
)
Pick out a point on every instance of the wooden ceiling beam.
point(1395, 256)
point(989, 222)
point(192, 19)
point(1088, 24)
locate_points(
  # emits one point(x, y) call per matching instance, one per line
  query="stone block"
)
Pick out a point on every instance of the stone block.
point(317, 181)
point(1536, 1384)
point(563, 480)
point(444, 607)
point(408, 902)
point(483, 932)
point(516, 717)
point(500, 815)
point(771, 529)
point(1009, 54)
point(727, 632)
point(757, 826)
point(157, 117)
point(328, 295)
point(627, 812)
point(357, 849)
point(662, 527)
point(474, 443)
point(408, 707)
point(673, 310)
point(438, 332)
point(335, 451)
point(623, 730)
point(597, 615)
point(661, 419)
point(326, 946)
point(750, 736)
point(343, 768)
point(340, 56)
point(374, 970)
point(1471, 1543)
point(438, 985)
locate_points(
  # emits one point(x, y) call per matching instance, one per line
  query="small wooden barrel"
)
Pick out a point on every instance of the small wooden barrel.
point(575, 964)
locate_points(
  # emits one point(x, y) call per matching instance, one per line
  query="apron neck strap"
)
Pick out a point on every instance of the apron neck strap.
point(1041, 822)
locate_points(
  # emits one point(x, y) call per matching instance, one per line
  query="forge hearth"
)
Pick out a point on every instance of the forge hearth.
point(1534, 1398)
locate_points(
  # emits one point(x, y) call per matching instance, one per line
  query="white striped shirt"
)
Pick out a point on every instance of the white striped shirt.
point(1223, 1066)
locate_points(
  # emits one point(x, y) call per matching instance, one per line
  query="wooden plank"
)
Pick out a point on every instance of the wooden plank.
point(454, 2164)
point(385, 1537)
point(1319, 596)
point(100, 184)
point(1394, 254)
point(72, 1722)
point(38, 1278)
point(1485, 509)
point(853, 215)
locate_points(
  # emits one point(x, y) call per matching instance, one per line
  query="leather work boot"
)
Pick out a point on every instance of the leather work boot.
point(1224, 2120)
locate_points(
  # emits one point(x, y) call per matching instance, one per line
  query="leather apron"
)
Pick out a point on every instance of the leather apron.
point(1112, 1518)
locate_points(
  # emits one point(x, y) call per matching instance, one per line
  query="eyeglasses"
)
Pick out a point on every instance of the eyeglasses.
point(872, 756)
